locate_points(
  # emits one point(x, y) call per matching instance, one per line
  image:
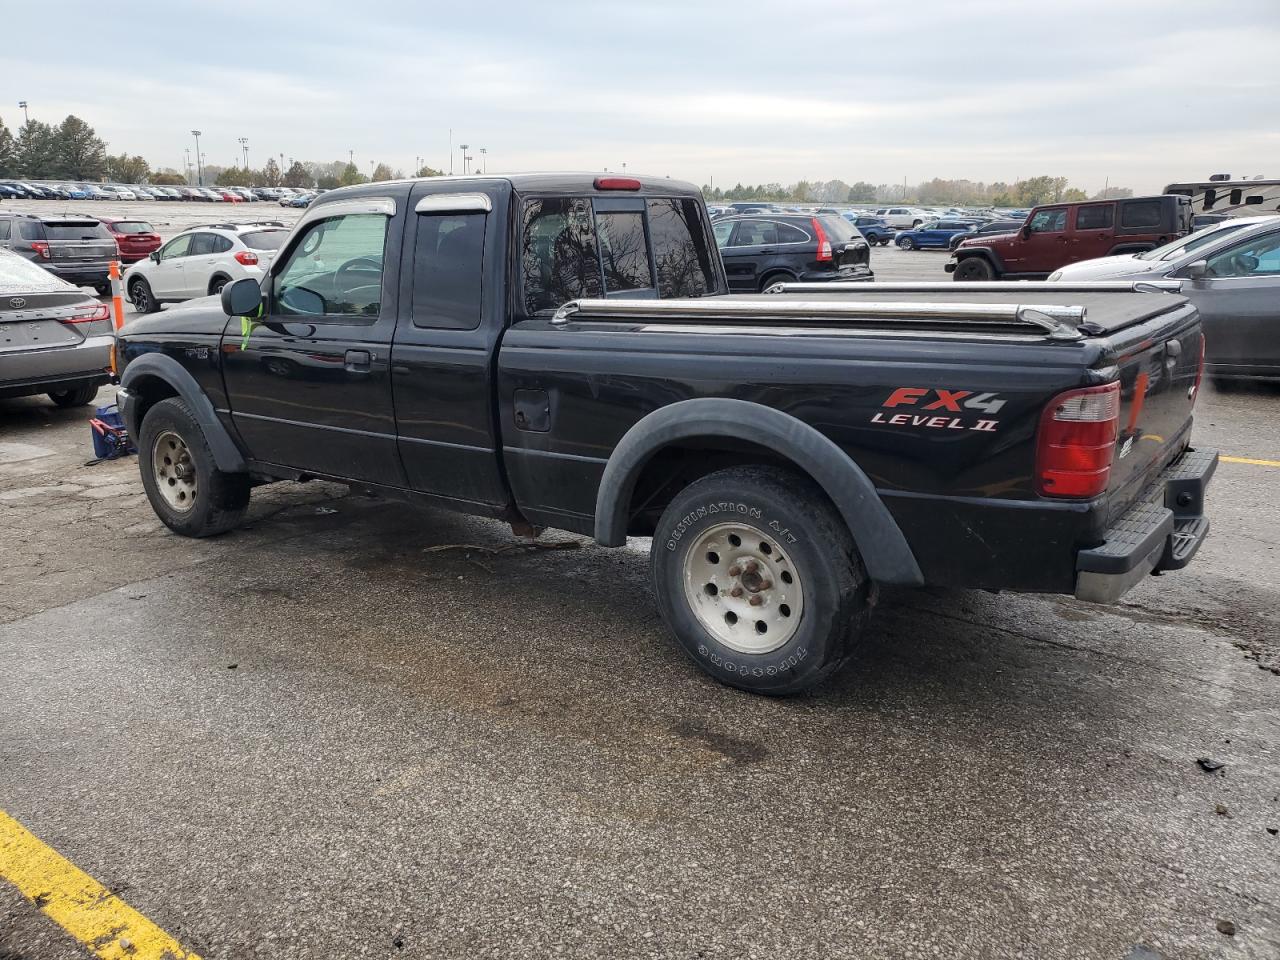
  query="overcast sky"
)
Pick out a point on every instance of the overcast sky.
point(1139, 92)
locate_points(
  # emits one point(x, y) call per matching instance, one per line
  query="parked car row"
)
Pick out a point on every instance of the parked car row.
point(32, 190)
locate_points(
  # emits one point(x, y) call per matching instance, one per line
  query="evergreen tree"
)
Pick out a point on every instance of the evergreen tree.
point(271, 173)
point(8, 152)
point(79, 153)
point(297, 176)
point(36, 150)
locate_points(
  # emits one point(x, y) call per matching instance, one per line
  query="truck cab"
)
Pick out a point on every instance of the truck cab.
point(1058, 234)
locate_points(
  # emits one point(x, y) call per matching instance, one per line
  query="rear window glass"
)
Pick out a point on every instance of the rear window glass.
point(1098, 217)
point(558, 253)
point(31, 230)
point(448, 257)
point(76, 231)
point(790, 234)
point(264, 239)
point(680, 249)
point(838, 229)
point(133, 226)
point(623, 250)
point(1140, 213)
point(755, 233)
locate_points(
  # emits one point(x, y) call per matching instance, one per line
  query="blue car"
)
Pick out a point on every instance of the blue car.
point(873, 229)
point(934, 233)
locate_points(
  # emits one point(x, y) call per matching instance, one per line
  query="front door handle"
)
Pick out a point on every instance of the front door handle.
point(357, 361)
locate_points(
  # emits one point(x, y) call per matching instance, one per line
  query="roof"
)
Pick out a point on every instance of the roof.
point(569, 182)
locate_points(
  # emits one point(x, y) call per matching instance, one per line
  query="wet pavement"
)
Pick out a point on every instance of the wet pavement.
point(315, 737)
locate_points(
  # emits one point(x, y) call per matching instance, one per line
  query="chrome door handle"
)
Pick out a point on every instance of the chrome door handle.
point(357, 361)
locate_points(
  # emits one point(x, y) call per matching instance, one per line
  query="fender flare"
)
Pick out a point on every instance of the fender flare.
point(962, 251)
point(884, 549)
point(163, 367)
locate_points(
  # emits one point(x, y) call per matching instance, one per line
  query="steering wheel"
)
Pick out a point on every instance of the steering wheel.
point(360, 265)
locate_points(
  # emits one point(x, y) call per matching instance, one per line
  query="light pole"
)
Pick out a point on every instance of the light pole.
point(199, 168)
point(484, 163)
point(372, 167)
point(351, 156)
point(463, 148)
point(23, 105)
point(187, 168)
point(244, 145)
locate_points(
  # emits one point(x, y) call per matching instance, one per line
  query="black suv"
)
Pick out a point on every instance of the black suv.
point(762, 249)
point(76, 248)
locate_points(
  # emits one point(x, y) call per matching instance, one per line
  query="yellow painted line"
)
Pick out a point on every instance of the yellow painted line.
point(1251, 461)
point(105, 924)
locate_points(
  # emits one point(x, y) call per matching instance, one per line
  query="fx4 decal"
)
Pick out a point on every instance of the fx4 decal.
point(944, 402)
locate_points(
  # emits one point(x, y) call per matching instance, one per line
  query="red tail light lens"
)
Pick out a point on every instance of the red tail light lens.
point(617, 183)
point(89, 313)
point(248, 258)
point(1077, 442)
point(824, 244)
point(40, 247)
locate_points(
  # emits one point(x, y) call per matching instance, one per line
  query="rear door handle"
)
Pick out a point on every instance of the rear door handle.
point(357, 361)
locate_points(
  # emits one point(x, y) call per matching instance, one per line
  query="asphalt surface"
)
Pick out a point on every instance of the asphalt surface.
point(315, 737)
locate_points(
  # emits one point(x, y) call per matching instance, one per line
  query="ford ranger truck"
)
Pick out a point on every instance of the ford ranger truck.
point(1061, 233)
point(559, 350)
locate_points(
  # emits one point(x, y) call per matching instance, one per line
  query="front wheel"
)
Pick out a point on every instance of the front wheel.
point(757, 575)
point(906, 243)
point(141, 297)
point(186, 489)
point(974, 269)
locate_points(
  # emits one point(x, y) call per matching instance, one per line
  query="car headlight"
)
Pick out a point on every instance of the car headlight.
point(1056, 275)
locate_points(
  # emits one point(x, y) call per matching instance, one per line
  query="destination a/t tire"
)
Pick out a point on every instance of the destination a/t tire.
point(758, 577)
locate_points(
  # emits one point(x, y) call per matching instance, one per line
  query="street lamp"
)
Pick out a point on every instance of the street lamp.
point(351, 156)
point(244, 145)
point(23, 105)
point(484, 164)
point(199, 167)
point(463, 148)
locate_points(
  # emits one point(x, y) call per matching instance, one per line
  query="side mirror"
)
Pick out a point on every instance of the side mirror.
point(242, 298)
point(1026, 231)
point(1197, 270)
point(155, 256)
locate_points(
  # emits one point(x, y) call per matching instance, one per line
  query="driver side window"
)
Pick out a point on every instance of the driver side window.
point(335, 269)
point(1259, 257)
point(177, 247)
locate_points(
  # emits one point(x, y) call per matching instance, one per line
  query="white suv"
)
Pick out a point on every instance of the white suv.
point(202, 260)
point(904, 218)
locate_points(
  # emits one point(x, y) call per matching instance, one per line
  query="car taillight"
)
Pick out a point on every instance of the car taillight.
point(247, 257)
point(824, 245)
point(89, 313)
point(40, 247)
point(1077, 442)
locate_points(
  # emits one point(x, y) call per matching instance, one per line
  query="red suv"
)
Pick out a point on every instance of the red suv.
point(1061, 233)
point(135, 238)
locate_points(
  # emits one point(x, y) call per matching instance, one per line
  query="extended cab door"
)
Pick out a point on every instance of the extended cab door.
point(312, 388)
point(452, 305)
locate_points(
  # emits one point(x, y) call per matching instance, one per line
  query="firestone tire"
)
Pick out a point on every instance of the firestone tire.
point(175, 458)
point(973, 269)
point(758, 577)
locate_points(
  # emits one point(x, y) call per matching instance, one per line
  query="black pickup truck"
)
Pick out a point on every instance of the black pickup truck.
point(561, 351)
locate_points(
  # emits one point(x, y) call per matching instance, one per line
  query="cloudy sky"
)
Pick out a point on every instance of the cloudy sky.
point(1139, 92)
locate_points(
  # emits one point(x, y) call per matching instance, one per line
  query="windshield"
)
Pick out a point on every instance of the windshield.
point(1195, 241)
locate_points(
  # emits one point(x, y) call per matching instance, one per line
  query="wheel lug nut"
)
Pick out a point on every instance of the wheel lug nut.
point(735, 570)
point(766, 584)
point(756, 600)
point(736, 591)
point(751, 566)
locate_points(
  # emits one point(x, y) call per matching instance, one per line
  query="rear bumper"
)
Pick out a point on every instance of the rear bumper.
point(1163, 531)
point(79, 273)
point(35, 371)
point(845, 274)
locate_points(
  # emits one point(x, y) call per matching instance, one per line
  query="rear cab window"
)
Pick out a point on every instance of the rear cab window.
point(583, 247)
point(1140, 213)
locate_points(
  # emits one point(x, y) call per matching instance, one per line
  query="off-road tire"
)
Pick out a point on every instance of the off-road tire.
point(75, 397)
point(972, 269)
point(140, 295)
point(221, 498)
point(791, 514)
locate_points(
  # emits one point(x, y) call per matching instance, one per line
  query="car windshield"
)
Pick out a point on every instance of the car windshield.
point(1175, 249)
point(265, 239)
point(133, 226)
point(76, 231)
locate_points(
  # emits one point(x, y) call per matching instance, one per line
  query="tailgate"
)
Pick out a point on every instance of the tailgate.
point(1159, 363)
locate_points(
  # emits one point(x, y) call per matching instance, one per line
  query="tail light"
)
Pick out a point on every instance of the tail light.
point(40, 247)
point(1077, 442)
point(247, 257)
point(617, 183)
point(824, 244)
point(89, 313)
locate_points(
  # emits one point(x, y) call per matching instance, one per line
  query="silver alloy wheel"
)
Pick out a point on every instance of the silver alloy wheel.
point(174, 472)
point(139, 297)
point(743, 588)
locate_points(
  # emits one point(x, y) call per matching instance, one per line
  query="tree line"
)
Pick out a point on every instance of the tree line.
point(968, 193)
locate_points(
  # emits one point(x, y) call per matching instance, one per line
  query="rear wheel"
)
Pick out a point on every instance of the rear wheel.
point(756, 574)
point(186, 489)
point(772, 278)
point(75, 397)
point(974, 268)
point(141, 297)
